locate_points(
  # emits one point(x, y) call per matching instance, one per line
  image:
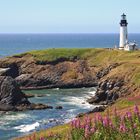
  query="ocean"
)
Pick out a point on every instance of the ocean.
point(15, 124)
point(73, 101)
point(11, 44)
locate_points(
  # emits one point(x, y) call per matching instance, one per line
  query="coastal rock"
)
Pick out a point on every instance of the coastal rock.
point(33, 106)
point(97, 109)
point(10, 93)
point(6, 107)
point(13, 99)
point(61, 73)
point(105, 71)
point(58, 107)
point(9, 69)
point(107, 91)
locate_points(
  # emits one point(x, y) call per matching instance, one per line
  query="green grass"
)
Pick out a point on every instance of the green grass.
point(55, 54)
point(124, 103)
point(94, 55)
point(136, 79)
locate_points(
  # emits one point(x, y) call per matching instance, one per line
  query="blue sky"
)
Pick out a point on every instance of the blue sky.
point(67, 16)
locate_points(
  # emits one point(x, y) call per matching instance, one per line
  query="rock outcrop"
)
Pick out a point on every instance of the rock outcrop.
point(13, 99)
point(10, 92)
point(108, 91)
point(68, 73)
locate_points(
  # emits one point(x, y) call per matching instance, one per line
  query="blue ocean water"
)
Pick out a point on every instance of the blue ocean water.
point(18, 43)
point(15, 124)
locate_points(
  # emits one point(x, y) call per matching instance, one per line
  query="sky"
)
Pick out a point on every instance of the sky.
point(68, 16)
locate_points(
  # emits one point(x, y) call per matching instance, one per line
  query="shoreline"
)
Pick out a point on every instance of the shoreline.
point(111, 70)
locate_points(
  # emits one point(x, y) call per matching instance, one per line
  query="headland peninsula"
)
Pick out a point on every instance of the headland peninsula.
point(115, 73)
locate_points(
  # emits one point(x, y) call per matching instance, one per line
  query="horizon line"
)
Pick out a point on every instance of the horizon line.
point(64, 33)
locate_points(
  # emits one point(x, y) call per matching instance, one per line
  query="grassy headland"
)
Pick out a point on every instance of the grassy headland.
point(129, 60)
point(97, 59)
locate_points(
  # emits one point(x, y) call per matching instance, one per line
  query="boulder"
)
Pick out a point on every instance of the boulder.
point(6, 107)
point(58, 107)
point(97, 109)
point(10, 93)
point(13, 99)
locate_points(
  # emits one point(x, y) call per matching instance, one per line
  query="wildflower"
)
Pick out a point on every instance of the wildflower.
point(87, 131)
point(41, 138)
point(111, 124)
point(129, 115)
point(82, 126)
point(136, 109)
point(122, 118)
point(100, 118)
point(122, 128)
point(88, 120)
point(77, 123)
point(73, 123)
point(30, 138)
point(136, 112)
point(135, 125)
point(95, 120)
point(92, 130)
point(105, 123)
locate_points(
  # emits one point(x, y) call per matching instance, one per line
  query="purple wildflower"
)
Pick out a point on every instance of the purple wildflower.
point(92, 130)
point(129, 115)
point(73, 123)
point(41, 138)
point(87, 131)
point(82, 126)
point(136, 109)
point(100, 118)
point(135, 125)
point(122, 127)
point(77, 123)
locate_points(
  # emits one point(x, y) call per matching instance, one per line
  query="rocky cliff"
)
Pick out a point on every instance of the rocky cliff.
point(64, 74)
point(115, 73)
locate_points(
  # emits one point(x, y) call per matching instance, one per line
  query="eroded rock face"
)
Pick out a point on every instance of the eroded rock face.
point(107, 92)
point(13, 99)
point(10, 92)
point(105, 71)
point(61, 75)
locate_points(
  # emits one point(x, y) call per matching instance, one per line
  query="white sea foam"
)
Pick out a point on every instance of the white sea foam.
point(13, 117)
point(77, 101)
point(27, 128)
point(55, 88)
point(92, 91)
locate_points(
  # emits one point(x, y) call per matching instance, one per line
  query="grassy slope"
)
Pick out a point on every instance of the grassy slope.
point(129, 68)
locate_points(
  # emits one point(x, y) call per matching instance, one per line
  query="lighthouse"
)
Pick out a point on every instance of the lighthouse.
point(123, 32)
point(124, 43)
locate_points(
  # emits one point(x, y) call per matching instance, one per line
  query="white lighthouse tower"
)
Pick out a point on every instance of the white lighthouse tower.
point(124, 44)
point(123, 32)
